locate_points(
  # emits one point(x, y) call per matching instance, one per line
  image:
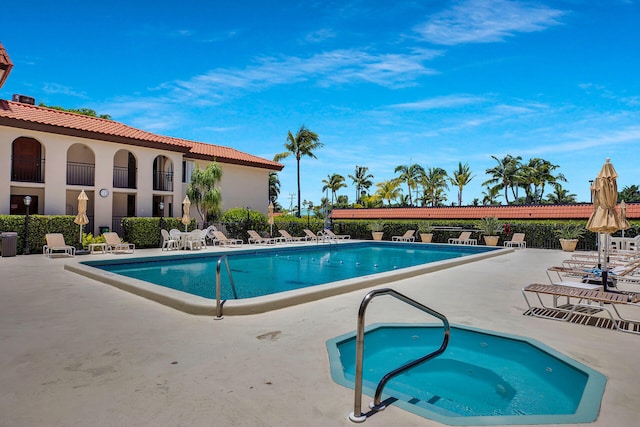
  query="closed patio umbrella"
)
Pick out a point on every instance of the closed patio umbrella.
point(623, 216)
point(186, 207)
point(605, 218)
point(81, 219)
point(270, 218)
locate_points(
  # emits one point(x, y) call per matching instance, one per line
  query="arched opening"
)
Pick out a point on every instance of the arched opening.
point(162, 174)
point(27, 160)
point(81, 165)
point(124, 170)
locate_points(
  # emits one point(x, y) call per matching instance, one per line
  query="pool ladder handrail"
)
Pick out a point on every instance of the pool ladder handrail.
point(357, 415)
point(219, 303)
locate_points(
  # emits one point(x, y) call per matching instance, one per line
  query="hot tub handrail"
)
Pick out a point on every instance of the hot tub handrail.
point(357, 415)
point(219, 304)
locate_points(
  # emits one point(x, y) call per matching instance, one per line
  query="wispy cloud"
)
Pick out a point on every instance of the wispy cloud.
point(320, 35)
point(441, 102)
point(342, 66)
point(54, 88)
point(486, 21)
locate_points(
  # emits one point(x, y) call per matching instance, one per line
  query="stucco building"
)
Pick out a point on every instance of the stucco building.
point(53, 155)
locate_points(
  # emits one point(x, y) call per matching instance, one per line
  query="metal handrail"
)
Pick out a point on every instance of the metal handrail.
point(357, 415)
point(219, 304)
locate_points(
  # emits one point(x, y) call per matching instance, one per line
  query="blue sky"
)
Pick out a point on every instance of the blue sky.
point(384, 83)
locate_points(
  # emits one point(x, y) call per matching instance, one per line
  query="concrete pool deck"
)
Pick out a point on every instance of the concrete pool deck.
point(76, 352)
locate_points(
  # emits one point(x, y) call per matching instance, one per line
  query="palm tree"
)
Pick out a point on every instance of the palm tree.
point(434, 182)
point(630, 193)
point(274, 186)
point(490, 196)
point(503, 174)
point(334, 183)
point(560, 196)
point(460, 178)
point(204, 192)
point(362, 181)
point(388, 190)
point(302, 144)
point(411, 176)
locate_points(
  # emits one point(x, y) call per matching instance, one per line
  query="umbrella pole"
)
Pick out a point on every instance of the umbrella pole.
point(81, 234)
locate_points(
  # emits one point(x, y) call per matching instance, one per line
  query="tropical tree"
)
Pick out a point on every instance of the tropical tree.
point(203, 191)
point(333, 182)
point(560, 196)
point(303, 144)
point(434, 182)
point(490, 196)
point(503, 174)
point(460, 178)
point(83, 111)
point(274, 186)
point(534, 175)
point(630, 193)
point(410, 175)
point(388, 190)
point(362, 180)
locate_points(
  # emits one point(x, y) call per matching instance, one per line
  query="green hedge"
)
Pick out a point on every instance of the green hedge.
point(145, 232)
point(39, 225)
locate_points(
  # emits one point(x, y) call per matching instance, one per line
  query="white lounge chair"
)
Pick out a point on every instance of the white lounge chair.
point(56, 245)
point(406, 237)
point(331, 235)
point(224, 240)
point(115, 243)
point(463, 239)
point(516, 241)
point(289, 238)
point(311, 235)
point(255, 238)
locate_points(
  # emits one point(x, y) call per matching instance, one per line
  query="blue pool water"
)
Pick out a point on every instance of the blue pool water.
point(482, 378)
point(257, 273)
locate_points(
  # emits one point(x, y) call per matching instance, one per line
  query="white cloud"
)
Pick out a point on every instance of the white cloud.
point(450, 101)
point(485, 21)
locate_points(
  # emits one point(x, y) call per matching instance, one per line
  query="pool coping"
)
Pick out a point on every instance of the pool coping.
point(193, 304)
point(586, 412)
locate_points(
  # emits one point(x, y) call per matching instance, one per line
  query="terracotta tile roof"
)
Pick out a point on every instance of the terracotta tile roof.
point(6, 63)
point(25, 116)
point(578, 211)
point(230, 155)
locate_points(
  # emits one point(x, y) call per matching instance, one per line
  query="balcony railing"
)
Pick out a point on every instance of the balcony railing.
point(27, 169)
point(80, 173)
point(163, 181)
point(123, 177)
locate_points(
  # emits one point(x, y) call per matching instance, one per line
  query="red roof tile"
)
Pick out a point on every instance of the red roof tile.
point(25, 116)
point(5, 63)
point(578, 211)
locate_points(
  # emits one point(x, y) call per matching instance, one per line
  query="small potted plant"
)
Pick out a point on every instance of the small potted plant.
point(377, 229)
point(425, 229)
point(489, 227)
point(569, 233)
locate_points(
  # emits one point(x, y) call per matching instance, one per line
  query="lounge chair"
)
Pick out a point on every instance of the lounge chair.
point(406, 237)
point(224, 240)
point(56, 245)
point(583, 306)
point(168, 242)
point(516, 241)
point(331, 235)
point(463, 239)
point(310, 235)
point(256, 239)
point(115, 243)
point(289, 238)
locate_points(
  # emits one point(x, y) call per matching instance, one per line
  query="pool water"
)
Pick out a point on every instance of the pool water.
point(266, 272)
point(481, 378)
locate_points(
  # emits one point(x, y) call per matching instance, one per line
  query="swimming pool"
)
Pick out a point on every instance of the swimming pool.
point(278, 276)
point(483, 378)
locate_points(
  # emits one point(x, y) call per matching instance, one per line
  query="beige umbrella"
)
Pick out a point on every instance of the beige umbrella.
point(186, 207)
point(81, 219)
point(270, 218)
point(623, 217)
point(605, 218)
